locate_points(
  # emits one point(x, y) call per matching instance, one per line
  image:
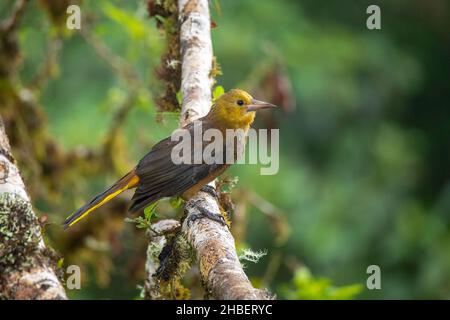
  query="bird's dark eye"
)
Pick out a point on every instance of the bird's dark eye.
point(240, 102)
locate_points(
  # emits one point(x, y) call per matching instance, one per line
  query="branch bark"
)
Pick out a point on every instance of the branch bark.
point(27, 266)
point(220, 268)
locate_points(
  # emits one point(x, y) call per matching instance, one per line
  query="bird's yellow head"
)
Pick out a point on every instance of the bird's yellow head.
point(236, 109)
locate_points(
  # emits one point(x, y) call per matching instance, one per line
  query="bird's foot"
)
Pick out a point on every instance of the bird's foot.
point(210, 190)
point(205, 213)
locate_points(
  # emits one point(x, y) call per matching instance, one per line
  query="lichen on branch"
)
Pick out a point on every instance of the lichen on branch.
point(27, 267)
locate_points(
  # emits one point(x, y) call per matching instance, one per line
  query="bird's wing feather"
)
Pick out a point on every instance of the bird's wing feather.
point(160, 177)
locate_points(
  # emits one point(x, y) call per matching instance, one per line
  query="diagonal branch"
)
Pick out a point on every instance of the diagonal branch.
point(13, 20)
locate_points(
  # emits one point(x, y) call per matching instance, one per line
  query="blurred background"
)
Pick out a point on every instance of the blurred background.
point(364, 173)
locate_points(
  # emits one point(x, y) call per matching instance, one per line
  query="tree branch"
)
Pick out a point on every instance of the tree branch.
point(27, 266)
point(13, 20)
point(214, 247)
point(213, 243)
point(196, 59)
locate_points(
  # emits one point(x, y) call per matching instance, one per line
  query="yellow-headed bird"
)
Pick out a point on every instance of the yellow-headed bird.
point(156, 176)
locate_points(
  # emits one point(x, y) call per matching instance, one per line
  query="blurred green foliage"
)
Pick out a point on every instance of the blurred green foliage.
point(365, 156)
point(305, 286)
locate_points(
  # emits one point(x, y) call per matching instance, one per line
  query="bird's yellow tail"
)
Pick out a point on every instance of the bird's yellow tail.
point(128, 181)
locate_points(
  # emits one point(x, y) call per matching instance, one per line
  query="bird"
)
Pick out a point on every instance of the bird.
point(157, 176)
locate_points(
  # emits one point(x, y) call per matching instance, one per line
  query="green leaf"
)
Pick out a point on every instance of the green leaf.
point(160, 18)
point(179, 97)
point(146, 220)
point(149, 212)
point(176, 202)
point(136, 28)
point(217, 92)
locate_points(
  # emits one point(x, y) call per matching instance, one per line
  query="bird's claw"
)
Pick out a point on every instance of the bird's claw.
point(205, 213)
point(210, 190)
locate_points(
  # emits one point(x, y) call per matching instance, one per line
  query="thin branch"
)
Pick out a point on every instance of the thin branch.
point(117, 63)
point(49, 65)
point(125, 71)
point(14, 19)
point(27, 266)
point(274, 215)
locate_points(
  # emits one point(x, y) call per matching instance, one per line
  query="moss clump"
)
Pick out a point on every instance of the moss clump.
point(166, 14)
point(175, 260)
point(20, 237)
point(19, 231)
point(216, 69)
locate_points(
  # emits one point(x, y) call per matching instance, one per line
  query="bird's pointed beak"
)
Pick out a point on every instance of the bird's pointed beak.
point(258, 105)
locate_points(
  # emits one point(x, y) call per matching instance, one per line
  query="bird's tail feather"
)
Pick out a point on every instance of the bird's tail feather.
point(130, 180)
